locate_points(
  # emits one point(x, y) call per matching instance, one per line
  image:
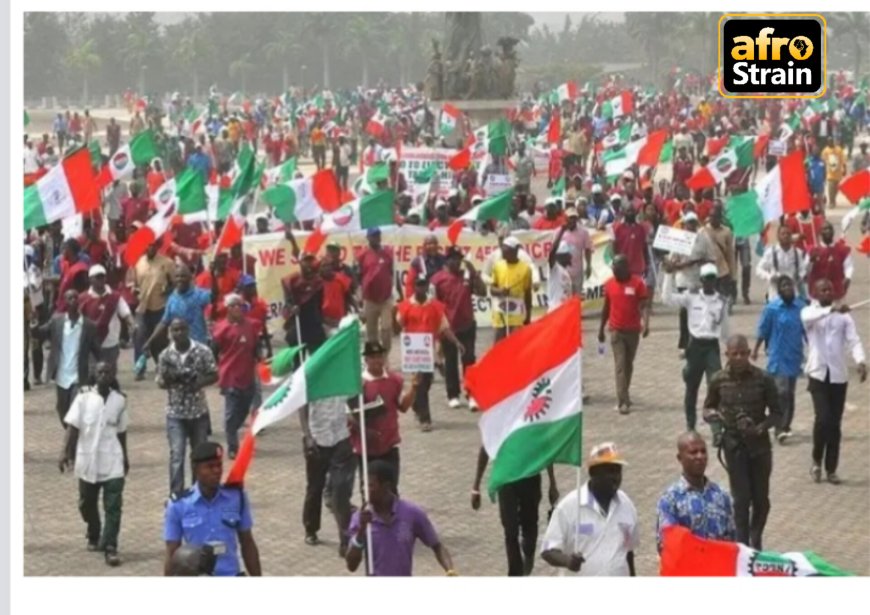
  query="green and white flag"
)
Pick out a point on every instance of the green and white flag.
point(370, 211)
point(333, 370)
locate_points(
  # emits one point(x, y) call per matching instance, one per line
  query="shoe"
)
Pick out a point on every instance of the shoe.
point(93, 547)
point(833, 478)
point(312, 540)
point(112, 558)
point(26, 385)
point(788, 433)
point(37, 381)
point(816, 473)
point(781, 437)
point(231, 455)
point(140, 377)
point(342, 547)
point(623, 409)
point(682, 354)
point(746, 300)
point(426, 427)
point(473, 407)
point(454, 403)
point(585, 398)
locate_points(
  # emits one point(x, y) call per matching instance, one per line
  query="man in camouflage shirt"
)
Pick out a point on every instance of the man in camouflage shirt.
point(742, 405)
point(184, 369)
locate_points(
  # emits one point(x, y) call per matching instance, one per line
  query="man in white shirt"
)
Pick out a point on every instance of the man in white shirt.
point(559, 284)
point(707, 321)
point(577, 238)
point(831, 333)
point(95, 443)
point(343, 170)
point(594, 532)
point(782, 259)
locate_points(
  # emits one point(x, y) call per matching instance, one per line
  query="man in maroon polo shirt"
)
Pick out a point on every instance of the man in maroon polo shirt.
point(626, 314)
point(236, 338)
point(382, 421)
point(376, 272)
point(454, 288)
point(630, 238)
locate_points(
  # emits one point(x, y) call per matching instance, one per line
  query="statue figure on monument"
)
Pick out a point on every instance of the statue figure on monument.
point(435, 74)
point(470, 83)
point(488, 79)
point(464, 36)
point(507, 66)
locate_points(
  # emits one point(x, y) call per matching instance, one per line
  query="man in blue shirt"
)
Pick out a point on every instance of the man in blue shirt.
point(781, 329)
point(188, 303)
point(199, 161)
point(816, 172)
point(211, 514)
point(694, 501)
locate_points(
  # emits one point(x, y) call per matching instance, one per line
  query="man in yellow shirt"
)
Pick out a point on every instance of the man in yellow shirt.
point(835, 168)
point(511, 290)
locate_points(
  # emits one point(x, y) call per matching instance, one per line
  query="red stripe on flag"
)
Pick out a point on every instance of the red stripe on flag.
point(795, 191)
point(554, 133)
point(715, 146)
point(454, 230)
point(525, 354)
point(104, 177)
point(760, 145)
point(651, 151)
point(700, 180)
point(138, 245)
point(461, 160)
point(686, 555)
point(231, 235)
point(82, 181)
point(314, 242)
point(856, 186)
point(236, 475)
point(327, 193)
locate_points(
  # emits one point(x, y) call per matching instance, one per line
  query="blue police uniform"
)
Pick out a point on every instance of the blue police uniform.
point(194, 520)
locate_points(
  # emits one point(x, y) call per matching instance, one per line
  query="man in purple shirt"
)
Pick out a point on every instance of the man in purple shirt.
point(395, 527)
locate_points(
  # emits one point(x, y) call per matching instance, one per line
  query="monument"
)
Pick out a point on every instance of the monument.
point(468, 74)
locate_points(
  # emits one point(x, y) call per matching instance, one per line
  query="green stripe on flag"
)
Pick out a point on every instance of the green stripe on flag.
point(282, 363)
point(825, 568)
point(376, 209)
point(34, 212)
point(744, 214)
point(667, 152)
point(282, 198)
point(335, 369)
point(190, 189)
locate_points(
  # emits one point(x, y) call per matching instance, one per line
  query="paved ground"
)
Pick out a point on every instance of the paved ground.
point(438, 467)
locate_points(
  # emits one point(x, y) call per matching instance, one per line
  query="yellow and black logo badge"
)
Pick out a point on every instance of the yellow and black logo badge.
point(772, 56)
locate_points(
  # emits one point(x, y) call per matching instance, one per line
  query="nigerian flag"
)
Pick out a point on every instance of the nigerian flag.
point(333, 370)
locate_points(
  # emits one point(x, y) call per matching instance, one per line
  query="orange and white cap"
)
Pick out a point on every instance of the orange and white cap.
point(605, 453)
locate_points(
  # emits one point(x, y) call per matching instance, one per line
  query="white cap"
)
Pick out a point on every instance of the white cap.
point(564, 248)
point(690, 217)
point(628, 175)
point(232, 299)
point(477, 199)
point(615, 197)
point(453, 192)
point(96, 270)
point(440, 203)
point(511, 242)
point(596, 188)
point(709, 269)
point(551, 200)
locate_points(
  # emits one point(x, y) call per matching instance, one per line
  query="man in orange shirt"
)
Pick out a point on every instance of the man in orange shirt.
point(227, 280)
point(318, 146)
point(553, 218)
point(419, 314)
point(337, 296)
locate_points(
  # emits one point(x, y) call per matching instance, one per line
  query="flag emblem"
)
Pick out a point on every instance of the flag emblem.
point(763, 564)
point(119, 160)
point(724, 166)
point(343, 216)
point(165, 196)
point(542, 395)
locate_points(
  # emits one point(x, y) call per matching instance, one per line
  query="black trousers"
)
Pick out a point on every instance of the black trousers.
point(829, 399)
point(338, 462)
point(518, 509)
point(683, 341)
point(749, 478)
point(65, 399)
point(421, 397)
point(451, 360)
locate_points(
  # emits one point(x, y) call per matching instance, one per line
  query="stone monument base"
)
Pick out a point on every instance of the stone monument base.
point(480, 112)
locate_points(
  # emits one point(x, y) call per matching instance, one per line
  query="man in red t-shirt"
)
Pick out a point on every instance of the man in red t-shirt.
point(227, 280)
point(630, 240)
point(382, 395)
point(258, 309)
point(376, 274)
point(419, 314)
point(337, 297)
point(626, 314)
point(454, 287)
point(236, 340)
point(552, 219)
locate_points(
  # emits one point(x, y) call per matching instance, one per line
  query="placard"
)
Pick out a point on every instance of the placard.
point(674, 240)
point(418, 353)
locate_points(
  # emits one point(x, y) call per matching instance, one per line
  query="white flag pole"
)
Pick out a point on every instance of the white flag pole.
point(370, 562)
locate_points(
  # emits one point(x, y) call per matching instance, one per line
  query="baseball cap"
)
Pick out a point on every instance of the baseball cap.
point(333, 245)
point(603, 454)
point(373, 349)
point(477, 199)
point(421, 279)
point(709, 270)
point(373, 232)
point(571, 212)
point(511, 242)
point(440, 203)
point(246, 280)
point(96, 270)
point(596, 189)
point(206, 451)
point(690, 217)
point(615, 197)
point(232, 299)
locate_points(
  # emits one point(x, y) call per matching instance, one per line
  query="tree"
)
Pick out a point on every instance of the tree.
point(653, 31)
point(81, 60)
point(46, 42)
point(285, 46)
point(240, 69)
point(855, 26)
point(192, 45)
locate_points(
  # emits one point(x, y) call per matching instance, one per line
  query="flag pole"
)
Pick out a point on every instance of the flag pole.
point(370, 562)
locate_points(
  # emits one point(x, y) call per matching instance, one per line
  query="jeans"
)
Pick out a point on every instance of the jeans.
point(65, 398)
point(785, 387)
point(237, 406)
point(180, 432)
point(451, 360)
point(702, 359)
point(829, 399)
point(421, 397)
point(338, 463)
point(749, 478)
point(89, 494)
point(624, 344)
point(146, 322)
point(518, 510)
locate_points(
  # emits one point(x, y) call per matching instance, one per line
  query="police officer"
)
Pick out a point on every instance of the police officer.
point(212, 514)
point(742, 399)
